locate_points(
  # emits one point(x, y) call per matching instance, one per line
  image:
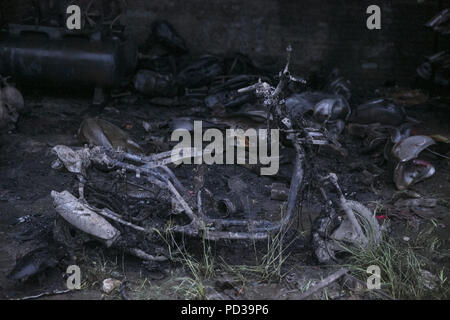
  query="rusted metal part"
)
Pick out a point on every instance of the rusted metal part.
point(50, 56)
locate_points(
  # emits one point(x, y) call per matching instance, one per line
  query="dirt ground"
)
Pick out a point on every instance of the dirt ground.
point(27, 214)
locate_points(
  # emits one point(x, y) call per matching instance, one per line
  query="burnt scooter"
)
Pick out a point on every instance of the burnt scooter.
point(358, 226)
point(102, 224)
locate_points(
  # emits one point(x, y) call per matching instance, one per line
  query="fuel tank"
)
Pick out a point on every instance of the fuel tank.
point(50, 56)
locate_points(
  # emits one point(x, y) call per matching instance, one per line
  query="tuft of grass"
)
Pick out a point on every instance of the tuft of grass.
point(96, 267)
point(200, 270)
point(269, 268)
point(190, 288)
point(176, 288)
point(444, 202)
point(403, 267)
point(306, 286)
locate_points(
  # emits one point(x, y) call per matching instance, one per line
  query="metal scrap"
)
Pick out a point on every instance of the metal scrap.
point(164, 33)
point(382, 111)
point(436, 68)
point(99, 132)
point(331, 110)
point(82, 217)
point(410, 170)
point(338, 85)
point(154, 84)
point(440, 22)
point(410, 148)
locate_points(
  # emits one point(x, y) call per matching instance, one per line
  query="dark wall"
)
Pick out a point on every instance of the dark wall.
point(331, 33)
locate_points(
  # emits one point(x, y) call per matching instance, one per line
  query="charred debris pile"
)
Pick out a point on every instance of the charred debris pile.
point(127, 197)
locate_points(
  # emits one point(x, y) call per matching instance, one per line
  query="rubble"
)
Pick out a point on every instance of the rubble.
point(338, 85)
point(8, 117)
point(406, 97)
point(428, 280)
point(98, 132)
point(33, 263)
point(279, 191)
point(228, 99)
point(154, 84)
point(125, 196)
point(331, 109)
point(436, 69)
point(381, 111)
point(12, 97)
point(164, 33)
point(200, 72)
point(11, 103)
point(299, 103)
point(110, 284)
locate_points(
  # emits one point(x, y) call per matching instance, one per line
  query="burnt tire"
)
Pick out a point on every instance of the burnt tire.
point(325, 247)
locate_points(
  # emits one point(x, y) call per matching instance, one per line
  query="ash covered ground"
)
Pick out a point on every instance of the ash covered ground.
point(28, 215)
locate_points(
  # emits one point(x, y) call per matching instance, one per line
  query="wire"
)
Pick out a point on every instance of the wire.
point(438, 154)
